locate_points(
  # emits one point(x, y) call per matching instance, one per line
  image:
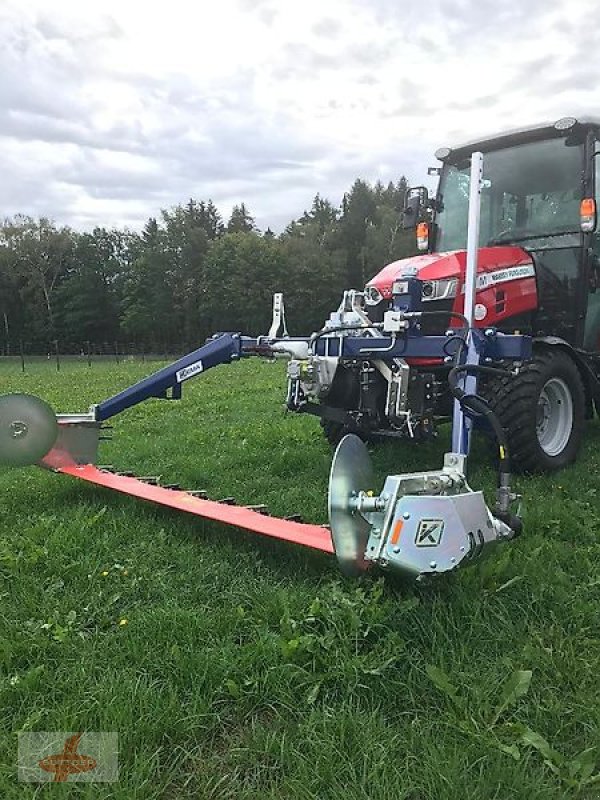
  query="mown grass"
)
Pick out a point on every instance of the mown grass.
point(250, 669)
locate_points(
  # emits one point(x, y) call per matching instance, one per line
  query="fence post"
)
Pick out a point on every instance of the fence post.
point(57, 355)
point(22, 355)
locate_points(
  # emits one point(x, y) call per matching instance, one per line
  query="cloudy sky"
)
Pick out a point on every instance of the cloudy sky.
point(112, 110)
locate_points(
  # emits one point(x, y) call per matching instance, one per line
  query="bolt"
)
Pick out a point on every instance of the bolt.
point(406, 515)
point(462, 549)
point(396, 549)
point(452, 460)
point(433, 564)
point(453, 560)
point(19, 429)
point(375, 532)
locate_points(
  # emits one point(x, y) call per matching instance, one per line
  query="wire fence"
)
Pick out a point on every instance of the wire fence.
point(57, 352)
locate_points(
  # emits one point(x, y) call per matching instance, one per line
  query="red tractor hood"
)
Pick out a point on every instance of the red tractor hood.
point(433, 266)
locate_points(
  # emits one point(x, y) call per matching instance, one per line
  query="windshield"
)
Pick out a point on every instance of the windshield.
point(530, 190)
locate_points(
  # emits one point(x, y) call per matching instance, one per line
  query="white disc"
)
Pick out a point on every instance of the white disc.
point(28, 429)
point(351, 472)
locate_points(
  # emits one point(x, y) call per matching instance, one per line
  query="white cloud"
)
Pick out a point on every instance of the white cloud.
point(111, 110)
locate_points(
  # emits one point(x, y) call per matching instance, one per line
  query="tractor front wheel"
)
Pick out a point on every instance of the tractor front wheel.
point(542, 411)
point(345, 394)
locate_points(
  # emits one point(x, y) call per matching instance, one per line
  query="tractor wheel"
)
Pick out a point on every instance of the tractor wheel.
point(333, 431)
point(542, 411)
point(344, 393)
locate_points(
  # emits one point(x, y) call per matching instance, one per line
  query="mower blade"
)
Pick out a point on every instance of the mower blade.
point(316, 537)
point(261, 508)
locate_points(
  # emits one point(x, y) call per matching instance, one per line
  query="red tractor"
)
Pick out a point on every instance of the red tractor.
point(537, 274)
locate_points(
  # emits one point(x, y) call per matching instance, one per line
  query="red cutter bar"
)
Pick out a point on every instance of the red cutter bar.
point(315, 536)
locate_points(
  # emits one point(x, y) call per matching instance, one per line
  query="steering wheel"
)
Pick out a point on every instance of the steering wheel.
point(499, 237)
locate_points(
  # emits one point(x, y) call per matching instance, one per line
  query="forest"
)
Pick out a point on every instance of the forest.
point(189, 273)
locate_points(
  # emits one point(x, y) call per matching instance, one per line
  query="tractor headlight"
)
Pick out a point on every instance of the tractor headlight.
point(441, 289)
point(372, 296)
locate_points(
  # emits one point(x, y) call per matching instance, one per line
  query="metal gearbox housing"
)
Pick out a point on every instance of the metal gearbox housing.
point(76, 443)
point(313, 375)
point(422, 523)
point(424, 534)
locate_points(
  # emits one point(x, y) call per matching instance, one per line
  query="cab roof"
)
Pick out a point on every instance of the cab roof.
point(545, 130)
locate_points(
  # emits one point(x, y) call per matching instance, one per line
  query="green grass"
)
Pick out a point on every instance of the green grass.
point(251, 669)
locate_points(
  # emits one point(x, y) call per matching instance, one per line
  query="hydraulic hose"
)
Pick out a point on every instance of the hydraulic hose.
point(480, 406)
point(340, 328)
point(379, 325)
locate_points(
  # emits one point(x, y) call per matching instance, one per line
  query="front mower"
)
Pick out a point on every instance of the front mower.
point(420, 524)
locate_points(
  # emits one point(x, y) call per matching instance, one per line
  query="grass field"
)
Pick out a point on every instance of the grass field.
point(234, 667)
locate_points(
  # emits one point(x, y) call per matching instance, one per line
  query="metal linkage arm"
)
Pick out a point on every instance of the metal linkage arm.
point(221, 350)
point(497, 346)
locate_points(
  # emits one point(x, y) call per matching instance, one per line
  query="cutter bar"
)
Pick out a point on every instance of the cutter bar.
point(316, 537)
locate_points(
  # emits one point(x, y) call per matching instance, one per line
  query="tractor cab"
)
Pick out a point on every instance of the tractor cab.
point(538, 273)
point(539, 200)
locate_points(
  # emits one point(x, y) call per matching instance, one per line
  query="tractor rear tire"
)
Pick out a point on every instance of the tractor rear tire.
point(542, 410)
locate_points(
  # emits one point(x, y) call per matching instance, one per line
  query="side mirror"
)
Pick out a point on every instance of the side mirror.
point(416, 200)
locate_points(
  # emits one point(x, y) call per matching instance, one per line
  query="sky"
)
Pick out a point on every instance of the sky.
point(112, 110)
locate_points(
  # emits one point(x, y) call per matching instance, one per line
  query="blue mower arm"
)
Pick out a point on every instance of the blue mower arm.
point(221, 350)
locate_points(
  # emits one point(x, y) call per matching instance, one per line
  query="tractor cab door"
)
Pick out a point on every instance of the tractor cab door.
point(559, 267)
point(591, 336)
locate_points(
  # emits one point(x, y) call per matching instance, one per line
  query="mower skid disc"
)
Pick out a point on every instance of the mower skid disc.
point(28, 429)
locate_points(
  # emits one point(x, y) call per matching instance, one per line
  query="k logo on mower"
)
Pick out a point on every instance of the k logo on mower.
point(429, 532)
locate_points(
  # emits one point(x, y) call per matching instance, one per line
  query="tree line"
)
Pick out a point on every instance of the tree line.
point(189, 273)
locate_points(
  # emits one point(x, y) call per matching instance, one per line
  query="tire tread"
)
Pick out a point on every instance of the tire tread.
point(514, 400)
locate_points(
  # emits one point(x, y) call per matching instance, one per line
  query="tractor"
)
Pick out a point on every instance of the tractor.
point(496, 325)
point(537, 275)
